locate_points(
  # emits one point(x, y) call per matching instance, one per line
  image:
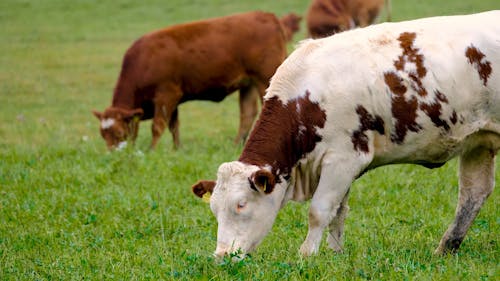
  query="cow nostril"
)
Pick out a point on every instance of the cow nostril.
point(222, 249)
point(220, 254)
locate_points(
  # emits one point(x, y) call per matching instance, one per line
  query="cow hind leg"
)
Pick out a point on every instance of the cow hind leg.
point(336, 227)
point(248, 111)
point(476, 182)
point(173, 126)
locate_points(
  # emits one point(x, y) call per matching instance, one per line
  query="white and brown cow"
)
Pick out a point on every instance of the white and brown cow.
point(200, 60)
point(421, 92)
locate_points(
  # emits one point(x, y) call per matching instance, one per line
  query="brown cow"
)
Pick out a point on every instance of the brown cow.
point(291, 23)
point(201, 60)
point(327, 17)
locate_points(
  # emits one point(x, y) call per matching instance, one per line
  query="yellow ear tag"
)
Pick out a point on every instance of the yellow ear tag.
point(206, 197)
point(136, 118)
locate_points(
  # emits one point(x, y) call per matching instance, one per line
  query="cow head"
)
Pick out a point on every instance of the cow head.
point(117, 125)
point(245, 202)
point(291, 24)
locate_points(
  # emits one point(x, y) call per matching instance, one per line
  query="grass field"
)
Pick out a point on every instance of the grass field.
point(70, 210)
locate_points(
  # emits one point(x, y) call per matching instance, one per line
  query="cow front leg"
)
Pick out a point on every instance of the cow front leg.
point(335, 237)
point(248, 111)
point(335, 181)
point(476, 182)
point(167, 98)
point(134, 129)
point(158, 127)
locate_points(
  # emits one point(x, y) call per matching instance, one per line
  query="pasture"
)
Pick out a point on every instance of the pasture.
point(70, 210)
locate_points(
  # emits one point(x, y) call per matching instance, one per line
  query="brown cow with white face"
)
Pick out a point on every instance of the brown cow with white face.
point(327, 17)
point(420, 92)
point(202, 60)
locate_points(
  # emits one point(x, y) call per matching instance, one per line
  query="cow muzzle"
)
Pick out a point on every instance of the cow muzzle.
point(231, 251)
point(236, 253)
point(222, 250)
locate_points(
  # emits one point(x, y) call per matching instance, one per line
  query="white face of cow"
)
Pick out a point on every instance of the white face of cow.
point(245, 202)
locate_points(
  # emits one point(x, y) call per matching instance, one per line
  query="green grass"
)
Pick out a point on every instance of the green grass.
point(69, 210)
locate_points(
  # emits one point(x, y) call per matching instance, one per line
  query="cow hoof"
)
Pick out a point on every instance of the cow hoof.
point(439, 251)
point(337, 250)
point(443, 251)
point(448, 246)
point(307, 250)
point(334, 244)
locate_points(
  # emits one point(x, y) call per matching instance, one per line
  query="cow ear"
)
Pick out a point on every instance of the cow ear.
point(202, 187)
point(97, 114)
point(263, 180)
point(134, 114)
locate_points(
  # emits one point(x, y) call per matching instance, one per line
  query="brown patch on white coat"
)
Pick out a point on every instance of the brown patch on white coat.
point(478, 59)
point(366, 122)
point(289, 128)
point(405, 107)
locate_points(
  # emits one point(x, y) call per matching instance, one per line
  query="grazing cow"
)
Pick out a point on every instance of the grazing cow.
point(291, 22)
point(327, 17)
point(418, 92)
point(202, 60)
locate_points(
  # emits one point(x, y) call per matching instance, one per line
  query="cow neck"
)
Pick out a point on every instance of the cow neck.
point(127, 84)
point(123, 98)
point(284, 134)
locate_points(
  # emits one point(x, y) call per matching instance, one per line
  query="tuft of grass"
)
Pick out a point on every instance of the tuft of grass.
point(71, 210)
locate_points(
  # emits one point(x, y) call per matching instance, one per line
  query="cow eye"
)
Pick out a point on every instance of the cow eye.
point(241, 205)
